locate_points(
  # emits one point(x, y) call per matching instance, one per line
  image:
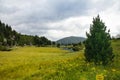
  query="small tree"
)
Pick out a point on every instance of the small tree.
point(58, 45)
point(98, 46)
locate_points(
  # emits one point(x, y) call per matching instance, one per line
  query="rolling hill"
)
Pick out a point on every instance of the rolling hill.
point(70, 40)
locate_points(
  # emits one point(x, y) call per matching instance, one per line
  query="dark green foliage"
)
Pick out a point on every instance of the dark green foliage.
point(75, 48)
point(44, 41)
point(53, 43)
point(5, 48)
point(36, 40)
point(80, 43)
point(25, 40)
point(41, 41)
point(75, 45)
point(58, 45)
point(98, 46)
point(9, 37)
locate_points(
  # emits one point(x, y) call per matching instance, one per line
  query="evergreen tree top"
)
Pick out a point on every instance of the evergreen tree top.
point(97, 45)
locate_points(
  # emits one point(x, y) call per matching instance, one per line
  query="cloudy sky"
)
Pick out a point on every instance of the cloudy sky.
point(56, 19)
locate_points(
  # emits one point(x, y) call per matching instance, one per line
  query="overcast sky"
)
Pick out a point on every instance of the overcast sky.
point(56, 19)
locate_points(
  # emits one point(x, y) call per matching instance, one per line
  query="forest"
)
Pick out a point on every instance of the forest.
point(10, 37)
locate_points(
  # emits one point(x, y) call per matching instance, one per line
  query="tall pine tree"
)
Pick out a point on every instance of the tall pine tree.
point(98, 46)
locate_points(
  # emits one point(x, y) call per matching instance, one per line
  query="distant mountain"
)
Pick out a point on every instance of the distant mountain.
point(70, 40)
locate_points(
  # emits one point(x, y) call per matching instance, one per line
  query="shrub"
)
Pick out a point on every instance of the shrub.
point(4, 48)
point(76, 48)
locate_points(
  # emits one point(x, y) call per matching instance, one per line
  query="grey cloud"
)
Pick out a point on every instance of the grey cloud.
point(49, 11)
point(7, 10)
point(55, 10)
point(64, 9)
point(31, 16)
point(31, 30)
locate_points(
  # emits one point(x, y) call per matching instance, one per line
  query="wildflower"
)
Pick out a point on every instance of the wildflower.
point(105, 75)
point(113, 70)
point(77, 65)
point(99, 77)
point(105, 71)
point(93, 68)
point(70, 65)
point(88, 64)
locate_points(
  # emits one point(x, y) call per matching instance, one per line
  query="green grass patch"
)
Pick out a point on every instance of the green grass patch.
point(49, 63)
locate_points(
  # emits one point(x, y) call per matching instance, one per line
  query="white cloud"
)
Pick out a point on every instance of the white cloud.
point(73, 26)
point(111, 18)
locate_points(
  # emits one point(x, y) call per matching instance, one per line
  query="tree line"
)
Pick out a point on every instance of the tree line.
point(9, 37)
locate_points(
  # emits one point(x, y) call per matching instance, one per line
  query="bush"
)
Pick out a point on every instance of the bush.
point(58, 45)
point(4, 48)
point(76, 48)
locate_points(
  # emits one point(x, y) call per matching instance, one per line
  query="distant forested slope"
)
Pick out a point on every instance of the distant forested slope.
point(10, 37)
point(71, 40)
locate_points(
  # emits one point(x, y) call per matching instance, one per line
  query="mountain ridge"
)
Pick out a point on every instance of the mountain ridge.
point(70, 40)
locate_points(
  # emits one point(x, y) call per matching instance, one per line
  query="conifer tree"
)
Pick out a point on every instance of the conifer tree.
point(98, 46)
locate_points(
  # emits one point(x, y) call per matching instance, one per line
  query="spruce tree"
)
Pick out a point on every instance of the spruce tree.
point(97, 45)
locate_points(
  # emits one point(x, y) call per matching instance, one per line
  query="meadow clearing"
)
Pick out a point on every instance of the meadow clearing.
point(51, 63)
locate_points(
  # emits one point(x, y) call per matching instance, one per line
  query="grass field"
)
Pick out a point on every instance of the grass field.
point(46, 63)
